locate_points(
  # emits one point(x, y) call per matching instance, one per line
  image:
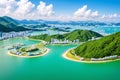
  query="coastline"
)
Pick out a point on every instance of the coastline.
point(29, 56)
point(75, 60)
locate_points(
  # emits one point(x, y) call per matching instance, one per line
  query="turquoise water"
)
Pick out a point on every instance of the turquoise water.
point(105, 30)
point(53, 66)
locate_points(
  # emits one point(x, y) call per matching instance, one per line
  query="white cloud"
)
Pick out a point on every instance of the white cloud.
point(25, 9)
point(7, 7)
point(44, 10)
point(95, 14)
point(110, 16)
point(80, 12)
point(85, 14)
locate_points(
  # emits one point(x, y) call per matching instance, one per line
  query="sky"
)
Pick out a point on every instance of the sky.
point(63, 10)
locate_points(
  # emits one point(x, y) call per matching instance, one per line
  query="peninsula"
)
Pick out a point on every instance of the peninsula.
point(102, 50)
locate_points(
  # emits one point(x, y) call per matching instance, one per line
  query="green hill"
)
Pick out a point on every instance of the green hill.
point(8, 24)
point(106, 46)
point(82, 35)
point(9, 20)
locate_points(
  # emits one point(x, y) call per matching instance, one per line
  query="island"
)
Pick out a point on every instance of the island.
point(104, 49)
point(35, 50)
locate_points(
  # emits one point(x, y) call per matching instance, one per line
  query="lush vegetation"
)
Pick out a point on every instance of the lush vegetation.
point(8, 24)
point(33, 47)
point(106, 46)
point(82, 35)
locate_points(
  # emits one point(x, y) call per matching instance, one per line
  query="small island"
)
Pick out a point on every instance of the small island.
point(105, 49)
point(35, 50)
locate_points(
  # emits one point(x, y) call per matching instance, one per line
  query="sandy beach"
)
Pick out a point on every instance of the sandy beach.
point(64, 56)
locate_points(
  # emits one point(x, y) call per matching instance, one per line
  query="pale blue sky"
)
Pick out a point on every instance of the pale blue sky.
point(66, 10)
point(69, 6)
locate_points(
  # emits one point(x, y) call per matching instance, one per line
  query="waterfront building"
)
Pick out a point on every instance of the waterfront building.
point(65, 41)
point(104, 58)
point(8, 35)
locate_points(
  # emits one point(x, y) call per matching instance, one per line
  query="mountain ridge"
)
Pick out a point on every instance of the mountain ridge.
point(82, 35)
point(8, 24)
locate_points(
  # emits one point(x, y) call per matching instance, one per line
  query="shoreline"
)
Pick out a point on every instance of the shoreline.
point(29, 56)
point(71, 59)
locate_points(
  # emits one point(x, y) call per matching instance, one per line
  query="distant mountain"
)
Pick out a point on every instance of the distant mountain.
point(40, 21)
point(82, 35)
point(81, 23)
point(30, 21)
point(106, 46)
point(8, 24)
point(10, 20)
